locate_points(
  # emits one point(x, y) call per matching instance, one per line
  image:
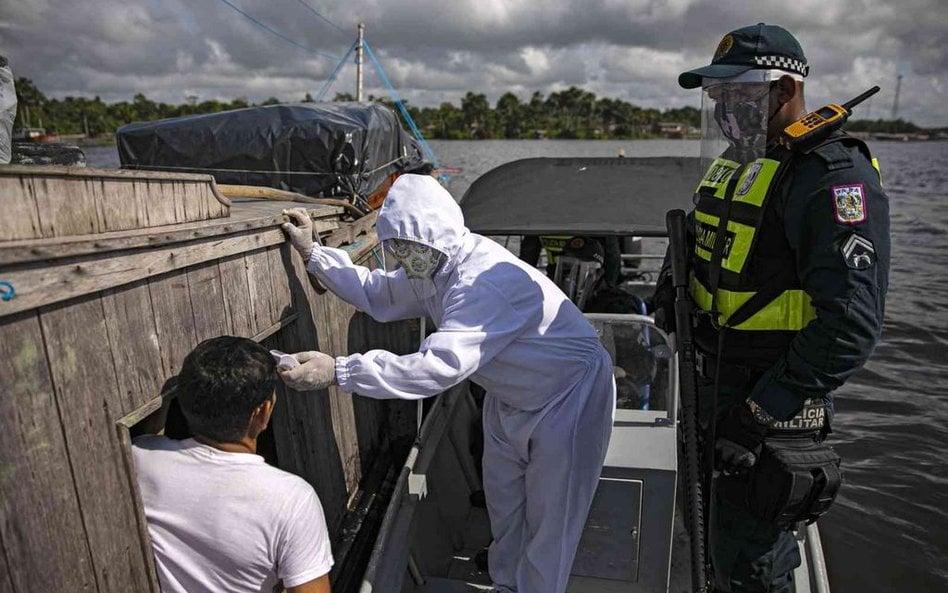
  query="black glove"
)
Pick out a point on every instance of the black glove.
point(738, 440)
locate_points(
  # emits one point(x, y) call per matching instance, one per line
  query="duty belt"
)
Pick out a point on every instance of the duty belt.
point(707, 365)
point(811, 418)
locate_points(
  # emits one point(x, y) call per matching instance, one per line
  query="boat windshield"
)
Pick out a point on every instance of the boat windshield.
point(643, 361)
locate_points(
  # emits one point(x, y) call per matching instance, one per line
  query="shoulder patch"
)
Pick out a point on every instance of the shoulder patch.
point(849, 203)
point(859, 252)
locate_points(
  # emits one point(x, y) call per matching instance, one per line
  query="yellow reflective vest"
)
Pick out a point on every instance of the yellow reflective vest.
point(742, 274)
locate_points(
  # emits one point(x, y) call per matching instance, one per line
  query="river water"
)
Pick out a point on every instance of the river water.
point(888, 531)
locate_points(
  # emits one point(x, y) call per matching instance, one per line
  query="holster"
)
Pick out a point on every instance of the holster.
point(796, 479)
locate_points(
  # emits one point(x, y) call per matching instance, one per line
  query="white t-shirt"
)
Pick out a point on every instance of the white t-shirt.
point(227, 522)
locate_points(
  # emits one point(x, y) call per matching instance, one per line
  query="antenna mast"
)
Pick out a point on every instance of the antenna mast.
point(895, 104)
point(359, 49)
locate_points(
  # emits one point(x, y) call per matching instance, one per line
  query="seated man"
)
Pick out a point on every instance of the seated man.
point(220, 519)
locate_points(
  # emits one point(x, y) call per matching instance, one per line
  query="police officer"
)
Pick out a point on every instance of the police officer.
point(789, 270)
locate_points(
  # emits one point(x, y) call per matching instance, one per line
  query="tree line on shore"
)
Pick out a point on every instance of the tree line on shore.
point(572, 113)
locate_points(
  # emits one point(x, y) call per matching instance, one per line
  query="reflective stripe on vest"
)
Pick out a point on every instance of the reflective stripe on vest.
point(789, 311)
point(554, 245)
point(875, 165)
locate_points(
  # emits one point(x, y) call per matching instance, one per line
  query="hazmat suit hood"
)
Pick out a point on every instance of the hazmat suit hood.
point(418, 209)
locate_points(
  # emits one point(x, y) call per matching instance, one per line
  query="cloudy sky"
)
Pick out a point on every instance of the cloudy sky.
point(436, 50)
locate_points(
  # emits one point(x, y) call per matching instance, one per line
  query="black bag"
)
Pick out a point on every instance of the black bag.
point(796, 479)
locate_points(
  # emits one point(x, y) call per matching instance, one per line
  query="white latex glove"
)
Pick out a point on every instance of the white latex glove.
point(316, 371)
point(299, 231)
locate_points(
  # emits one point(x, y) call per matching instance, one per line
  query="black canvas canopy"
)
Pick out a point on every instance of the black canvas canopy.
point(597, 196)
point(317, 149)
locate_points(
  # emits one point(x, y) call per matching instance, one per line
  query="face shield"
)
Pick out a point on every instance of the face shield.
point(577, 278)
point(734, 117)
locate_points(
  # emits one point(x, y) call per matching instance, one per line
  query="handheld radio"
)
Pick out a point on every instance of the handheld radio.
point(814, 127)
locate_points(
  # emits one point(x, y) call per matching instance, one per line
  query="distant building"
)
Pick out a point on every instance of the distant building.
point(671, 129)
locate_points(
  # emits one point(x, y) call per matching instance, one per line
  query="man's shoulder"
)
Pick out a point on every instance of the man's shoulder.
point(146, 444)
point(840, 153)
point(156, 450)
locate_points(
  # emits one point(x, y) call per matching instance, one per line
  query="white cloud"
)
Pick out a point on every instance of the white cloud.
point(436, 51)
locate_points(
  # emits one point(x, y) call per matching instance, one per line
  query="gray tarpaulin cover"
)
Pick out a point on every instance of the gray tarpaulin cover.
point(317, 149)
point(600, 196)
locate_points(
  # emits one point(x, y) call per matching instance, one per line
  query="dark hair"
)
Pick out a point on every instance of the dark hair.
point(221, 382)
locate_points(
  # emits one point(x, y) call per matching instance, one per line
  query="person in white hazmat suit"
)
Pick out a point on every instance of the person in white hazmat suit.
point(550, 397)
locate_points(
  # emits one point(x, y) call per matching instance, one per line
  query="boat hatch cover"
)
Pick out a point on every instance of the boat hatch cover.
point(593, 196)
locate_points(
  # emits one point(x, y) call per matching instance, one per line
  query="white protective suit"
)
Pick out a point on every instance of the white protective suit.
point(550, 390)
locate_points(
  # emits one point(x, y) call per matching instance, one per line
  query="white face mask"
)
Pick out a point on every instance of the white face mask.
point(418, 260)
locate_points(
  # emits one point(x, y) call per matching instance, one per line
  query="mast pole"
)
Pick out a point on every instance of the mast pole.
point(359, 62)
point(895, 104)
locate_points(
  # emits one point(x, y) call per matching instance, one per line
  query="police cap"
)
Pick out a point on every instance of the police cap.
point(758, 46)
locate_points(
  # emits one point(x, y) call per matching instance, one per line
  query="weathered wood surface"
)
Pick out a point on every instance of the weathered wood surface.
point(55, 201)
point(133, 342)
point(174, 320)
point(44, 283)
point(87, 395)
point(245, 216)
point(41, 530)
point(114, 333)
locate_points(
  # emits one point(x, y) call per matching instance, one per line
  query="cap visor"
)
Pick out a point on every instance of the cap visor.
point(692, 78)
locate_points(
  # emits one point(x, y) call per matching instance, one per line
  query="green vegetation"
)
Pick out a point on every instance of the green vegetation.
point(571, 113)
point(883, 126)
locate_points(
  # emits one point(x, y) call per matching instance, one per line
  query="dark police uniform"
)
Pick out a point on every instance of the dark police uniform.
point(825, 231)
point(790, 302)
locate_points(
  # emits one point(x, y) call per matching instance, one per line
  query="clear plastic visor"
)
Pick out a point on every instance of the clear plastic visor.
point(734, 118)
point(577, 278)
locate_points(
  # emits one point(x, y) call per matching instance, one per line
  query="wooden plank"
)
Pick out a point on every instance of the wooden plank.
point(276, 327)
point(216, 209)
point(78, 201)
point(116, 208)
point(41, 532)
point(174, 320)
point(141, 523)
point(195, 205)
point(79, 172)
point(207, 301)
point(238, 310)
point(59, 218)
point(261, 297)
point(36, 286)
point(157, 210)
point(133, 341)
point(20, 218)
point(280, 270)
point(86, 388)
point(242, 219)
point(303, 432)
point(308, 416)
point(332, 336)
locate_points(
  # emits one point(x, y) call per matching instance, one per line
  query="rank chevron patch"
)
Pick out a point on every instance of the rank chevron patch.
point(858, 252)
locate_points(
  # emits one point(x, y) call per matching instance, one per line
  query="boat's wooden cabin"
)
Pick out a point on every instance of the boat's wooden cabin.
point(108, 279)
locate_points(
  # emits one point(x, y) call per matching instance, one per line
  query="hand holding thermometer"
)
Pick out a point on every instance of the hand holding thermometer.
point(284, 361)
point(814, 127)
